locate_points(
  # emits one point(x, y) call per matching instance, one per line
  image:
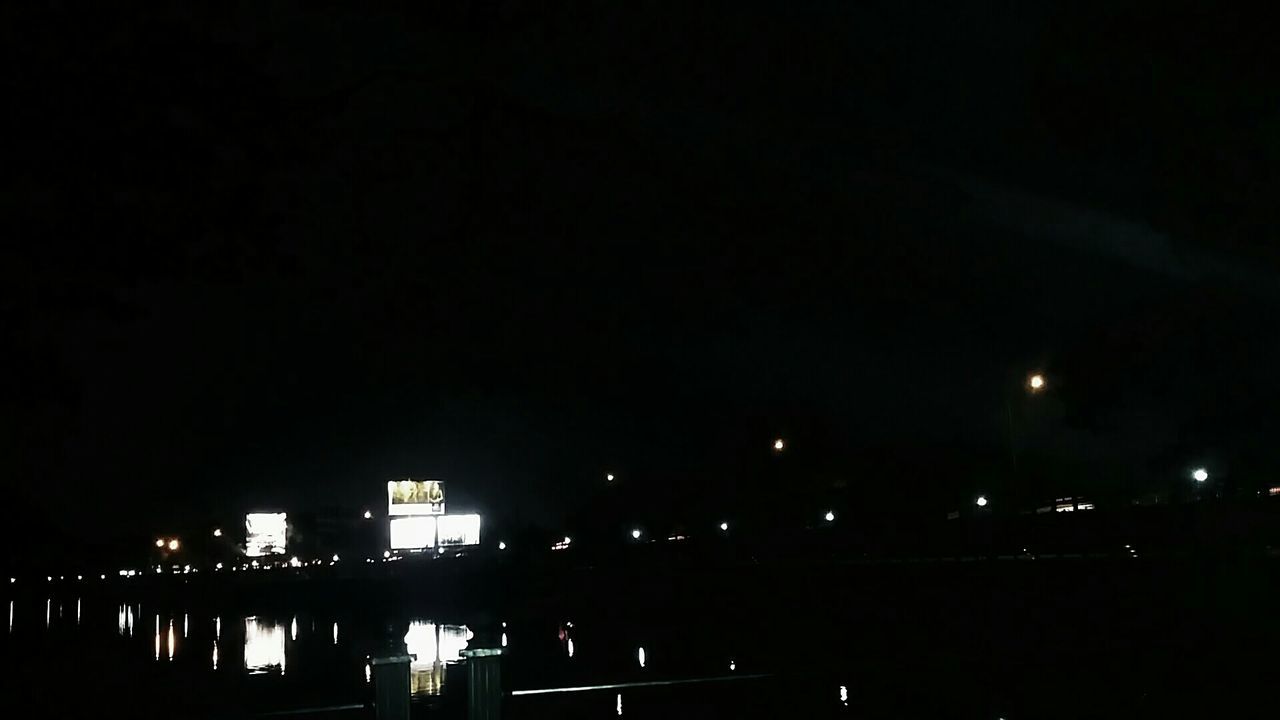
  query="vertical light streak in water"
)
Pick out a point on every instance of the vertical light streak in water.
point(184, 625)
point(215, 654)
point(217, 628)
point(640, 657)
point(77, 611)
point(619, 704)
point(335, 633)
point(157, 654)
point(293, 628)
point(48, 608)
point(171, 640)
point(10, 616)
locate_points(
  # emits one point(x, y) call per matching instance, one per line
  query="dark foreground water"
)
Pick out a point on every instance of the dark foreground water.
point(964, 641)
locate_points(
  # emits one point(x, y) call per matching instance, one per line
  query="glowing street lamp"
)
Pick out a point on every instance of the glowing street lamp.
point(217, 532)
point(635, 534)
point(981, 501)
point(829, 517)
point(367, 515)
point(1036, 382)
point(502, 545)
point(609, 477)
point(724, 527)
point(174, 544)
point(1200, 475)
point(159, 542)
point(779, 445)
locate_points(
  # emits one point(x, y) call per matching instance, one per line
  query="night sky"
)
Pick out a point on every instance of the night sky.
point(273, 254)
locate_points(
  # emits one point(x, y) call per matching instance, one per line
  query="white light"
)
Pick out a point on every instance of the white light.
point(829, 517)
point(640, 656)
point(293, 628)
point(217, 532)
point(732, 665)
point(79, 577)
point(502, 545)
point(981, 501)
point(619, 704)
point(413, 533)
point(1200, 475)
point(265, 534)
point(100, 577)
point(218, 566)
point(335, 633)
point(459, 529)
point(1036, 382)
point(569, 646)
point(48, 578)
point(504, 639)
point(174, 544)
point(609, 477)
point(386, 554)
point(13, 580)
point(159, 542)
point(724, 526)
point(367, 515)
point(635, 534)
point(779, 444)
point(295, 562)
point(368, 672)
point(844, 694)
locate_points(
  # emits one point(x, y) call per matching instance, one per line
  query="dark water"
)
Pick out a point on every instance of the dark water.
point(1067, 640)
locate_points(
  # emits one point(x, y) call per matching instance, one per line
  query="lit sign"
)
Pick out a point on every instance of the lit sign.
point(265, 534)
point(415, 497)
point(459, 530)
point(413, 533)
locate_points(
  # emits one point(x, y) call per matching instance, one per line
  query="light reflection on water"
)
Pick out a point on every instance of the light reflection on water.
point(434, 645)
point(263, 645)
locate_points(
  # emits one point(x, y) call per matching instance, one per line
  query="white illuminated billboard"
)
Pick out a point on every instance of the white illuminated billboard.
point(265, 534)
point(459, 530)
point(415, 497)
point(413, 533)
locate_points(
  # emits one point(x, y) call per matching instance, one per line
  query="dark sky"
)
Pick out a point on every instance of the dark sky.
point(275, 253)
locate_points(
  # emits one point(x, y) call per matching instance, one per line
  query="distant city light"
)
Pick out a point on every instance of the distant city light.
point(217, 532)
point(779, 444)
point(174, 544)
point(367, 515)
point(1200, 475)
point(724, 526)
point(732, 665)
point(609, 477)
point(981, 501)
point(502, 545)
point(386, 554)
point(159, 542)
point(48, 578)
point(218, 566)
point(79, 577)
point(635, 534)
point(1036, 382)
point(829, 517)
point(335, 557)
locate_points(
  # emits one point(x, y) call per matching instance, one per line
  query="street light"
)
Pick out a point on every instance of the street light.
point(829, 517)
point(502, 545)
point(981, 501)
point(1036, 382)
point(635, 534)
point(724, 526)
point(609, 477)
point(159, 542)
point(217, 532)
point(367, 515)
point(778, 445)
point(174, 544)
point(1200, 475)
